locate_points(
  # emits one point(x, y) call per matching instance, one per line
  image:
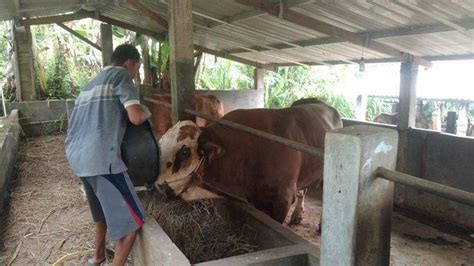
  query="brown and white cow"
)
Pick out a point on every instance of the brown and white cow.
point(207, 104)
point(266, 174)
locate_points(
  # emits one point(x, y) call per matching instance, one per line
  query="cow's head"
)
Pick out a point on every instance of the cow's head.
point(183, 149)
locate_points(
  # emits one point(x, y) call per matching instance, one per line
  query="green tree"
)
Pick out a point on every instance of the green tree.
point(289, 84)
point(376, 106)
point(60, 83)
point(222, 74)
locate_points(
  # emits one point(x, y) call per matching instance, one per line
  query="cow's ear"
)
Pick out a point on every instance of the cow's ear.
point(206, 147)
point(212, 151)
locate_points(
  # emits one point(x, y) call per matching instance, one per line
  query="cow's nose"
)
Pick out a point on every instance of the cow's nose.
point(165, 190)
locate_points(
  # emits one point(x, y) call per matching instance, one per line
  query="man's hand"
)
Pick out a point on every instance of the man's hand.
point(146, 111)
point(137, 114)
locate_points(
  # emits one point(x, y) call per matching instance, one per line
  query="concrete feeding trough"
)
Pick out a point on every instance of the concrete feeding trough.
point(275, 243)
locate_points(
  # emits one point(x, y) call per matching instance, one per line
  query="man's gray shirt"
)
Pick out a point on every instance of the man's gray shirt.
point(98, 122)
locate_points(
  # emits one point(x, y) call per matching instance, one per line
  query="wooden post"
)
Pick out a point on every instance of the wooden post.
point(406, 119)
point(181, 58)
point(24, 69)
point(259, 83)
point(451, 126)
point(408, 79)
point(146, 61)
point(106, 43)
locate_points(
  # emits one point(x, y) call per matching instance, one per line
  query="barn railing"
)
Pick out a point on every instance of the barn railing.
point(287, 142)
point(428, 186)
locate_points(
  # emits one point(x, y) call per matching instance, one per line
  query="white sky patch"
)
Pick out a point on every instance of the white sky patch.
point(445, 80)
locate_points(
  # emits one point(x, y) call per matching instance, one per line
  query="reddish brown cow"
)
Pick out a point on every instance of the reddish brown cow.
point(262, 172)
point(207, 104)
point(392, 119)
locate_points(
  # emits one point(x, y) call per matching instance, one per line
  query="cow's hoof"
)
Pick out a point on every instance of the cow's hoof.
point(295, 219)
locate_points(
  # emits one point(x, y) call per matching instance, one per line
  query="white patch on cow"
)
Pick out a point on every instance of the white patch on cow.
point(383, 148)
point(168, 148)
point(169, 145)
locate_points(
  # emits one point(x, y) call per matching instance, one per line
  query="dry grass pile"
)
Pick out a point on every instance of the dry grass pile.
point(47, 217)
point(201, 230)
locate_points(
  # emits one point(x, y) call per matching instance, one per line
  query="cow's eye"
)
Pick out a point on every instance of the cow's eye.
point(184, 153)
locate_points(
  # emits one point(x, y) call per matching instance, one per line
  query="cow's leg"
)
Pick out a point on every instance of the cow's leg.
point(297, 215)
point(280, 206)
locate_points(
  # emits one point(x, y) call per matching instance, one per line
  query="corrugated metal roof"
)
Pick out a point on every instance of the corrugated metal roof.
point(422, 28)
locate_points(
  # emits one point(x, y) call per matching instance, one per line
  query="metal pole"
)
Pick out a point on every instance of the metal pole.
point(428, 186)
point(290, 143)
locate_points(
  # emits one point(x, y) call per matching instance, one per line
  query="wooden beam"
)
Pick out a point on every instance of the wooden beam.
point(240, 30)
point(235, 58)
point(82, 38)
point(152, 15)
point(154, 34)
point(157, 35)
point(143, 9)
point(81, 14)
point(181, 58)
point(326, 28)
point(255, 13)
point(162, 37)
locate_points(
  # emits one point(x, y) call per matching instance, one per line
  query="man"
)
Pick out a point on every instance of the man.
point(95, 133)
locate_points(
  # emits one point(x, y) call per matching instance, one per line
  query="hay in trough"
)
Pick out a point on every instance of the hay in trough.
point(201, 230)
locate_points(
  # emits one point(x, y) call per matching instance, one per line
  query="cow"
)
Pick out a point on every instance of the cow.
point(266, 174)
point(392, 119)
point(207, 104)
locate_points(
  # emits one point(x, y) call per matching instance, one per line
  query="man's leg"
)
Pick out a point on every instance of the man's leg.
point(123, 211)
point(123, 248)
point(100, 231)
point(99, 219)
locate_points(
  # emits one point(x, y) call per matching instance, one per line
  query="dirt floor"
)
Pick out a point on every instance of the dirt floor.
point(412, 243)
point(48, 219)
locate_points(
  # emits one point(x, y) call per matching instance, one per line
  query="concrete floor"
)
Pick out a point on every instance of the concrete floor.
point(412, 243)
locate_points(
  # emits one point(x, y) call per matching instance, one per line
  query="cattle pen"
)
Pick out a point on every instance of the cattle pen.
point(393, 195)
point(337, 236)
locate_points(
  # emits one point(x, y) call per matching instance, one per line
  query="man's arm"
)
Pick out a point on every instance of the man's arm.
point(137, 114)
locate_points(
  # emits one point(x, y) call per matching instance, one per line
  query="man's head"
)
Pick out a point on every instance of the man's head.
point(127, 56)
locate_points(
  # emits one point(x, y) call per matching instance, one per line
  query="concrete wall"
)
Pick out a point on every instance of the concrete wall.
point(441, 158)
point(43, 117)
point(9, 138)
point(245, 99)
point(232, 99)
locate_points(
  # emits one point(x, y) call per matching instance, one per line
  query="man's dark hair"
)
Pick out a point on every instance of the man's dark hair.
point(124, 52)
